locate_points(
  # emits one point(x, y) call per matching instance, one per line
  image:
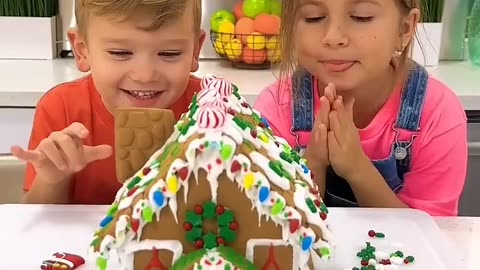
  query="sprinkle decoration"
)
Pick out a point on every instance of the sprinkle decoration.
point(211, 117)
point(371, 258)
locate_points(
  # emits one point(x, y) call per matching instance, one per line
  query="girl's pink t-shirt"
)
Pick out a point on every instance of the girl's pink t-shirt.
point(439, 157)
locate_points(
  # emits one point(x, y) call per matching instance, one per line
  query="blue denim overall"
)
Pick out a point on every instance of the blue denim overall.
point(337, 191)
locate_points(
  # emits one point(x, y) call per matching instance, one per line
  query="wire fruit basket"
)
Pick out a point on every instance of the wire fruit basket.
point(247, 51)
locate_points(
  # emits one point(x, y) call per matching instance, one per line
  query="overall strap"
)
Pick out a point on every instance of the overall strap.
point(413, 98)
point(409, 116)
point(303, 110)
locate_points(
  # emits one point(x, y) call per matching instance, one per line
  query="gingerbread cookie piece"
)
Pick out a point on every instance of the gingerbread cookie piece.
point(62, 261)
point(138, 134)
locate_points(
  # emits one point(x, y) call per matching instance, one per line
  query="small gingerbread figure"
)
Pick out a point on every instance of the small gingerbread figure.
point(62, 261)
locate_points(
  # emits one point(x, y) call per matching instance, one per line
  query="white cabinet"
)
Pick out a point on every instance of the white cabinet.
point(15, 127)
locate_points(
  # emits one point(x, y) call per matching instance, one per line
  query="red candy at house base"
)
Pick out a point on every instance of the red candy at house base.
point(62, 261)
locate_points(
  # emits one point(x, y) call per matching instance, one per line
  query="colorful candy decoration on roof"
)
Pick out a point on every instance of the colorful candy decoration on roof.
point(226, 223)
point(211, 117)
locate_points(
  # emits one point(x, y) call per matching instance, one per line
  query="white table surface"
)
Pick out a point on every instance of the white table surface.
point(23, 82)
point(462, 232)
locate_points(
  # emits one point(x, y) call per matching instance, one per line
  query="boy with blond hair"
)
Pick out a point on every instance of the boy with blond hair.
point(140, 53)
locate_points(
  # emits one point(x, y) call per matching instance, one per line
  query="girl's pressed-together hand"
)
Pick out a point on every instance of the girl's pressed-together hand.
point(345, 151)
point(316, 153)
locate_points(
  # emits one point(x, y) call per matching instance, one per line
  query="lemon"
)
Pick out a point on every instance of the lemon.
point(219, 47)
point(274, 55)
point(227, 31)
point(234, 49)
point(256, 41)
point(272, 43)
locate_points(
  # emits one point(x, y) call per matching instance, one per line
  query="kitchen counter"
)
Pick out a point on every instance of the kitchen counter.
point(23, 82)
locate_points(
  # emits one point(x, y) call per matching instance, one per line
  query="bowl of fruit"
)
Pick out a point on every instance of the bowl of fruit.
point(248, 36)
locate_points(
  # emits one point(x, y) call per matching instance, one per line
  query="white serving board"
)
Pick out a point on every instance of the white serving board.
point(31, 233)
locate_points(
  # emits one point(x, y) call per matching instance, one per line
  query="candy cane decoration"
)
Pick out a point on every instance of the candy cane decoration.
point(207, 95)
point(211, 116)
point(207, 79)
point(223, 87)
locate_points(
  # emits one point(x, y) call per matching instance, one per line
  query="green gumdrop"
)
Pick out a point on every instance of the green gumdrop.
point(226, 152)
point(102, 263)
point(324, 251)
point(147, 214)
point(277, 208)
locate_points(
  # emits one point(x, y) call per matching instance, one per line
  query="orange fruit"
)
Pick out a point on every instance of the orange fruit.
point(250, 56)
point(238, 10)
point(267, 24)
point(243, 28)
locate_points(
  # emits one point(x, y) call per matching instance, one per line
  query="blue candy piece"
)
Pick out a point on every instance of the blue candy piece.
point(264, 194)
point(307, 243)
point(265, 122)
point(106, 221)
point(158, 198)
point(305, 169)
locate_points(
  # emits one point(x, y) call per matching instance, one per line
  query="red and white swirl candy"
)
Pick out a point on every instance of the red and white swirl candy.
point(224, 87)
point(207, 79)
point(216, 103)
point(210, 116)
point(207, 95)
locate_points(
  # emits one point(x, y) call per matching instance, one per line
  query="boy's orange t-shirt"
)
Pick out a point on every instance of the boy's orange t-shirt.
point(79, 101)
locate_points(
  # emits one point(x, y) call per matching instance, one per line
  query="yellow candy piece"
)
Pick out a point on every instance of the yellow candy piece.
point(264, 138)
point(249, 181)
point(172, 184)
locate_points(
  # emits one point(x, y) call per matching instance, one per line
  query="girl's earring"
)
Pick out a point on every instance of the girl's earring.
point(399, 53)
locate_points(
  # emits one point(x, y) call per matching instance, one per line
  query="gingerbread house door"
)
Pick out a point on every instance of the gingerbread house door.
point(273, 253)
point(152, 254)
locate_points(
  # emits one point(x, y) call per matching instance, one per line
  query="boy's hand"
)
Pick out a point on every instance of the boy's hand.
point(316, 153)
point(62, 154)
point(345, 149)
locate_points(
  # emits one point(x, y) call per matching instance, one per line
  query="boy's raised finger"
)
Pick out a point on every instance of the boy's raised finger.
point(31, 156)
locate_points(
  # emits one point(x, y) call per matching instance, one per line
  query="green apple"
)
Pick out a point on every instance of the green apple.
point(219, 17)
point(275, 7)
point(252, 8)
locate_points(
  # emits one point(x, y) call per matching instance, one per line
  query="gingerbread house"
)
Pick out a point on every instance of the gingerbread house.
point(220, 192)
